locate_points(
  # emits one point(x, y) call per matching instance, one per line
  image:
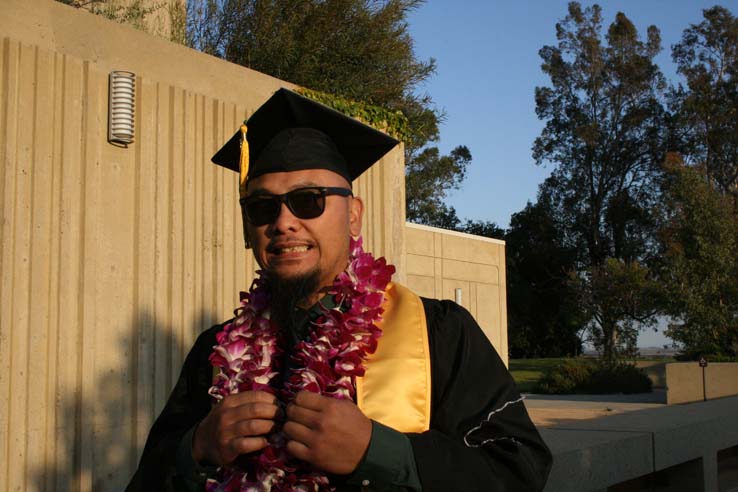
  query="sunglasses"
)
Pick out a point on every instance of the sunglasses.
point(304, 203)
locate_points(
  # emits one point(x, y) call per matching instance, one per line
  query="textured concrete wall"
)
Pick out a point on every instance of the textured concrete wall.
point(113, 259)
point(153, 16)
point(684, 381)
point(721, 379)
point(440, 261)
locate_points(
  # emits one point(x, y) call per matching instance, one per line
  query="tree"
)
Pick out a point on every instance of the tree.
point(483, 228)
point(618, 291)
point(544, 317)
point(699, 231)
point(699, 239)
point(356, 49)
point(603, 133)
point(164, 18)
point(707, 107)
point(427, 177)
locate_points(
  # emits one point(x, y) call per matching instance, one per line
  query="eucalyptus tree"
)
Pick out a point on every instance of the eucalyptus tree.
point(603, 133)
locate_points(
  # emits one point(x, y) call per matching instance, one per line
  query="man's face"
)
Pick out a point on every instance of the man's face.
point(290, 247)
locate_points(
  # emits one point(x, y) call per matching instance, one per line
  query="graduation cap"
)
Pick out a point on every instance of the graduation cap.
point(290, 132)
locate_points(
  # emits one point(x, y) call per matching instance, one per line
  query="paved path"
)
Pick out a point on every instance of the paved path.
point(554, 410)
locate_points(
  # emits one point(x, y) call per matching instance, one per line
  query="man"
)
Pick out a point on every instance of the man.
point(329, 376)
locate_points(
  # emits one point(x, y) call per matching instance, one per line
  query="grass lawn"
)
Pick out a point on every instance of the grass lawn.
point(527, 372)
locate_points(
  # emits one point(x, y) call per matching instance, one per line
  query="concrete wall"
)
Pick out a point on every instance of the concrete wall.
point(721, 379)
point(113, 259)
point(684, 381)
point(671, 448)
point(440, 261)
point(153, 16)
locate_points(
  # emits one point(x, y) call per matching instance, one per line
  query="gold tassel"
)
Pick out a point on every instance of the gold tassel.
point(244, 164)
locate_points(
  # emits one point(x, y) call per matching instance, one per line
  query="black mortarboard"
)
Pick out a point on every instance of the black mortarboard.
point(290, 132)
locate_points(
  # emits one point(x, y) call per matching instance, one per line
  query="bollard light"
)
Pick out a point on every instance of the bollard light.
point(122, 107)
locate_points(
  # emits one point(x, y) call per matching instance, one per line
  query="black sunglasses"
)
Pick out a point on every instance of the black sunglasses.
point(304, 203)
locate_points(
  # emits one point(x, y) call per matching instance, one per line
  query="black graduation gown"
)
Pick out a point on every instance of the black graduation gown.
point(481, 438)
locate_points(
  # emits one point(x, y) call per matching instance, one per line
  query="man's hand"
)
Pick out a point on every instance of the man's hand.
point(331, 434)
point(235, 426)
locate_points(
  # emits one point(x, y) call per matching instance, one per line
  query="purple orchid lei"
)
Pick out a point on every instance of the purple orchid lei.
point(327, 363)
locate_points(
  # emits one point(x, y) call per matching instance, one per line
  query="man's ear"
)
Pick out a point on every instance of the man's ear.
point(356, 212)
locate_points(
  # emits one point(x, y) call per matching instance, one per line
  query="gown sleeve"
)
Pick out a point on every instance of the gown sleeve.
point(188, 404)
point(480, 437)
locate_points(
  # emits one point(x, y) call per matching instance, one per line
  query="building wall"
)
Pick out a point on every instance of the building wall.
point(113, 259)
point(440, 261)
point(157, 17)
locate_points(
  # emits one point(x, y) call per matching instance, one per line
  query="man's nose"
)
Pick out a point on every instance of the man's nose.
point(285, 220)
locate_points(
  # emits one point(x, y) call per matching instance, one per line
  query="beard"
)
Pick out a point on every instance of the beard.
point(289, 294)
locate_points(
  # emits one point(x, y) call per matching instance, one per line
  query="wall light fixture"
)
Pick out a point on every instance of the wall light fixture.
point(122, 107)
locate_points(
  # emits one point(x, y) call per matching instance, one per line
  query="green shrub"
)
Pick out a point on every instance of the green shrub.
point(587, 376)
point(617, 378)
point(565, 377)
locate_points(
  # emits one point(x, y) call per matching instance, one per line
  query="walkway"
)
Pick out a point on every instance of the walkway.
point(548, 410)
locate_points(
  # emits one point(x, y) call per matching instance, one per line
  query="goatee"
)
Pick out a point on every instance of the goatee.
point(289, 294)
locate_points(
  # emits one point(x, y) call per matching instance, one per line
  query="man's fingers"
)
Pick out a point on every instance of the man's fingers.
point(235, 426)
point(299, 450)
point(243, 445)
point(239, 399)
point(303, 415)
point(298, 432)
point(255, 410)
point(253, 427)
point(333, 438)
point(308, 399)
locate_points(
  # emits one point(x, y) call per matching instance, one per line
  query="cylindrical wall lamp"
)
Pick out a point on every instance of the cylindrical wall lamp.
point(457, 295)
point(122, 107)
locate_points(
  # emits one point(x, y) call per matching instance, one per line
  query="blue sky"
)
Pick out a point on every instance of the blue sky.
point(487, 70)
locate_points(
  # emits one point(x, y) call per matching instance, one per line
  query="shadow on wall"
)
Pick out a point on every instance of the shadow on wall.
point(96, 446)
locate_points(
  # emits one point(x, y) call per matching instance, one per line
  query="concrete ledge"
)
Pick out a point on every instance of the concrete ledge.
point(593, 460)
point(592, 455)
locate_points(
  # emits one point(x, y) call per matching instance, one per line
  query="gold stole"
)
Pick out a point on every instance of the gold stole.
point(396, 389)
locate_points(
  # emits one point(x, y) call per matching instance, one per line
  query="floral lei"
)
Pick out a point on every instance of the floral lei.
point(326, 362)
